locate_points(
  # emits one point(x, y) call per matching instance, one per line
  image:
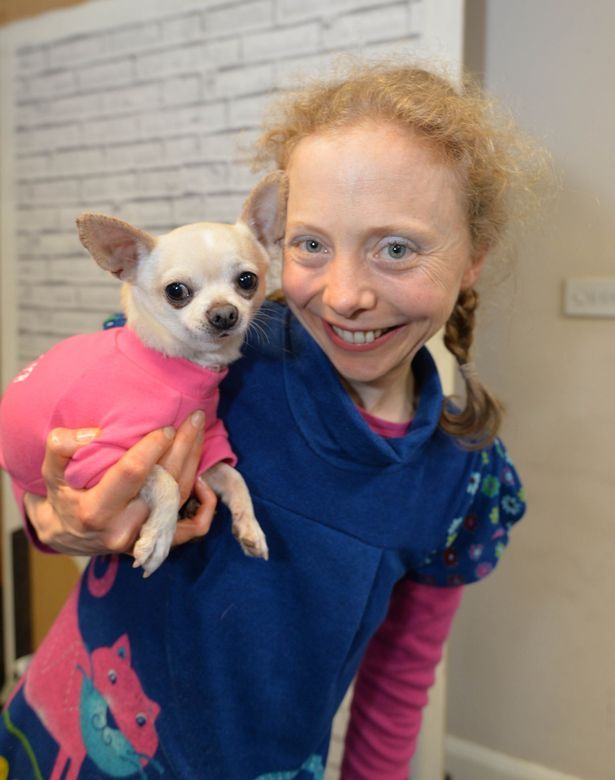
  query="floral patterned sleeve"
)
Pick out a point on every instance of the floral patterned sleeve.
point(478, 533)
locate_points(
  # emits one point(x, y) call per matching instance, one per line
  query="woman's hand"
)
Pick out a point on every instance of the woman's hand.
point(107, 518)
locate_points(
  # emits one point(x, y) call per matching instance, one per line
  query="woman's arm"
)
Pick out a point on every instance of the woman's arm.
point(395, 676)
point(107, 517)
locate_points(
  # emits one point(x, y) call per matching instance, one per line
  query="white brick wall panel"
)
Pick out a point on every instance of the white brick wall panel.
point(33, 271)
point(48, 137)
point(131, 39)
point(114, 72)
point(92, 160)
point(135, 98)
point(163, 182)
point(36, 220)
point(103, 298)
point(24, 192)
point(32, 58)
point(79, 270)
point(206, 177)
point(219, 146)
point(122, 128)
point(33, 166)
point(47, 296)
point(28, 244)
point(183, 28)
point(299, 10)
point(78, 161)
point(154, 215)
point(240, 17)
point(206, 117)
point(242, 178)
point(145, 153)
point(222, 53)
point(64, 244)
point(224, 208)
point(247, 112)
point(33, 345)
point(28, 140)
point(368, 26)
point(28, 114)
point(182, 149)
point(98, 189)
point(178, 59)
point(73, 108)
point(240, 81)
point(51, 85)
point(181, 91)
point(76, 50)
point(416, 14)
point(285, 42)
point(404, 46)
point(190, 208)
point(48, 244)
point(292, 72)
point(67, 323)
point(49, 192)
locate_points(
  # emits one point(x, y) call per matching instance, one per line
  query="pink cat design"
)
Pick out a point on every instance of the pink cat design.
point(93, 705)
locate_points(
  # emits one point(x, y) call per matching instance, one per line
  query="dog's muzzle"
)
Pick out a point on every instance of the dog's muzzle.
point(223, 317)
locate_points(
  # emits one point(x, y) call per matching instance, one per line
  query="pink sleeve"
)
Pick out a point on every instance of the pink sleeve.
point(19, 493)
point(396, 673)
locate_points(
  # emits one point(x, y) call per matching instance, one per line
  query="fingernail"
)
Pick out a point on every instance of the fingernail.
point(86, 434)
point(169, 432)
point(198, 419)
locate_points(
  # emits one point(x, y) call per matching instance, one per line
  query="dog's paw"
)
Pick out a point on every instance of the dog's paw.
point(151, 549)
point(252, 540)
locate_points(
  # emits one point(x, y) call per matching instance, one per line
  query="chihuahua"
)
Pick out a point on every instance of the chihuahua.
point(189, 298)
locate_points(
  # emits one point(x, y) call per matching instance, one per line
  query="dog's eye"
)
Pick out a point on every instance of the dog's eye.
point(247, 281)
point(178, 294)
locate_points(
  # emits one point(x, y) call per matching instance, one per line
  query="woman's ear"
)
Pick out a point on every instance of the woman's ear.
point(473, 271)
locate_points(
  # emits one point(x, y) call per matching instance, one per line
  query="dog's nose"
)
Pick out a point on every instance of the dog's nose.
point(223, 317)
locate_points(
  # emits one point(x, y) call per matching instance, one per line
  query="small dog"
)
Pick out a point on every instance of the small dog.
point(189, 297)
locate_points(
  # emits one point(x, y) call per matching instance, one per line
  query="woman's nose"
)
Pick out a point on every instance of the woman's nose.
point(348, 289)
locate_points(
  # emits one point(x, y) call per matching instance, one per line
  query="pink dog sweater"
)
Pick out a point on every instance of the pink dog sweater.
point(109, 380)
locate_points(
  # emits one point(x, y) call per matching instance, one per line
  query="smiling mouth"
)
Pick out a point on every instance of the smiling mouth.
point(360, 336)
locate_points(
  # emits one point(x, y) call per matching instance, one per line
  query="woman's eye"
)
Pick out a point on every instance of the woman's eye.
point(178, 294)
point(397, 251)
point(312, 246)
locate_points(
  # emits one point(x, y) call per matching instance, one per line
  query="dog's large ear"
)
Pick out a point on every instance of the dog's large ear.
point(264, 211)
point(114, 244)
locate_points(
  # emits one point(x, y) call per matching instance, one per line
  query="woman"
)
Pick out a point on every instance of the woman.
point(378, 497)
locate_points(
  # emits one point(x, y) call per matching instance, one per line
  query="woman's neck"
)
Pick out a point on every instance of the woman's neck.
point(389, 398)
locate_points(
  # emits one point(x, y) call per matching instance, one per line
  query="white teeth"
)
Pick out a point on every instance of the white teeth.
point(358, 336)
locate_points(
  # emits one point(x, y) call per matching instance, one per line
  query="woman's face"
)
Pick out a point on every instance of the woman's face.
point(376, 249)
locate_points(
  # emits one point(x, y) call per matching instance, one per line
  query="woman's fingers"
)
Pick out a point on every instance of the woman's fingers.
point(62, 444)
point(186, 448)
point(109, 516)
point(199, 524)
point(123, 481)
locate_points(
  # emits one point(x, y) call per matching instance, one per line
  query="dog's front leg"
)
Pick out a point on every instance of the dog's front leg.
point(161, 494)
point(230, 486)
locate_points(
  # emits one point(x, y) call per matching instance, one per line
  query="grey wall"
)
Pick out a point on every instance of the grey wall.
point(531, 661)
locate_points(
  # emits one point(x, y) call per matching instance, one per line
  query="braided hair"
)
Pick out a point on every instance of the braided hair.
point(478, 422)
